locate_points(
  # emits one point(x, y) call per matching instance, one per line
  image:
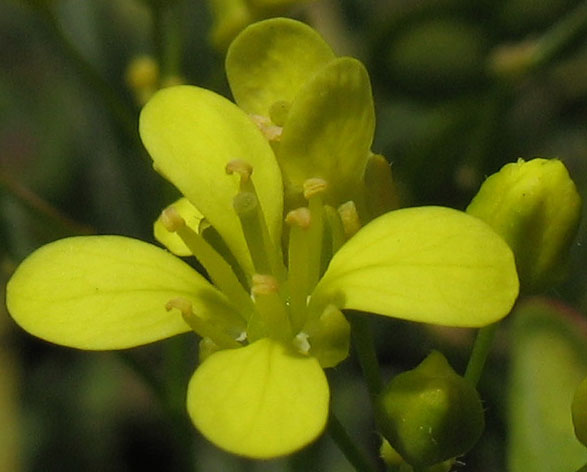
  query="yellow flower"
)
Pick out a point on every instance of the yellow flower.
point(271, 318)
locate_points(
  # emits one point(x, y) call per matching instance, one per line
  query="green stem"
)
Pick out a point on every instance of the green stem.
point(365, 348)
point(120, 110)
point(583, 469)
point(347, 445)
point(167, 37)
point(37, 204)
point(170, 393)
point(481, 349)
point(562, 34)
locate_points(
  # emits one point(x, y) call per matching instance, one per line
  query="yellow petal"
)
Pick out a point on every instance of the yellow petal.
point(270, 60)
point(260, 401)
point(428, 264)
point(192, 134)
point(107, 292)
point(329, 130)
point(193, 218)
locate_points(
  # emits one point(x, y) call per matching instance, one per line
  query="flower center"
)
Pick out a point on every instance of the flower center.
point(273, 301)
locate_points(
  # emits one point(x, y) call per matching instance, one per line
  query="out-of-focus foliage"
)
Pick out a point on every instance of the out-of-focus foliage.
point(549, 360)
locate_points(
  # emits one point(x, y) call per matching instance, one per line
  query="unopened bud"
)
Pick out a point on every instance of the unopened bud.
point(430, 414)
point(142, 77)
point(536, 208)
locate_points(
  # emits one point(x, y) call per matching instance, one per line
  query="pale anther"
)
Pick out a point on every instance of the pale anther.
point(350, 218)
point(183, 305)
point(269, 130)
point(263, 284)
point(301, 217)
point(301, 343)
point(171, 219)
point(243, 168)
point(314, 186)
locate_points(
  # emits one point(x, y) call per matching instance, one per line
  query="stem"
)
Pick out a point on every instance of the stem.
point(347, 446)
point(123, 113)
point(562, 34)
point(36, 203)
point(170, 393)
point(167, 38)
point(481, 349)
point(583, 469)
point(365, 347)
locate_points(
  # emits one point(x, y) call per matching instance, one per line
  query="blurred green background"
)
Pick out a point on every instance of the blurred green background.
point(458, 94)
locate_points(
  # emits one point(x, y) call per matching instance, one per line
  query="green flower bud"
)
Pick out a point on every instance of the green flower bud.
point(536, 208)
point(579, 410)
point(430, 414)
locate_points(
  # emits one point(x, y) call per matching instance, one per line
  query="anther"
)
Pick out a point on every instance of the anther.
point(263, 284)
point(243, 168)
point(350, 218)
point(300, 217)
point(314, 186)
point(171, 219)
point(183, 305)
point(269, 130)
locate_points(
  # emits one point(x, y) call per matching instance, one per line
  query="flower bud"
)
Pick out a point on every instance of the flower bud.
point(579, 410)
point(430, 414)
point(535, 207)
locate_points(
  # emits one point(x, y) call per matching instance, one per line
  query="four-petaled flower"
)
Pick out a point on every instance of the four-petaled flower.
point(271, 319)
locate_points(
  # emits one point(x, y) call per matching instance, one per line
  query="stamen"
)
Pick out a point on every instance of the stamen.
point(200, 326)
point(314, 186)
point(218, 269)
point(271, 132)
point(305, 249)
point(299, 254)
point(314, 191)
point(264, 285)
point(171, 219)
point(270, 306)
point(243, 168)
point(299, 217)
point(301, 343)
point(350, 218)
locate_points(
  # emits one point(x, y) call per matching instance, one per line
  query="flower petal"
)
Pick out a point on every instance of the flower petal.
point(329, 130)
point(191, 134)
point(428, 264)
point(259, 401)
point(107, 292)
point(270, 60)
point(193, 218)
